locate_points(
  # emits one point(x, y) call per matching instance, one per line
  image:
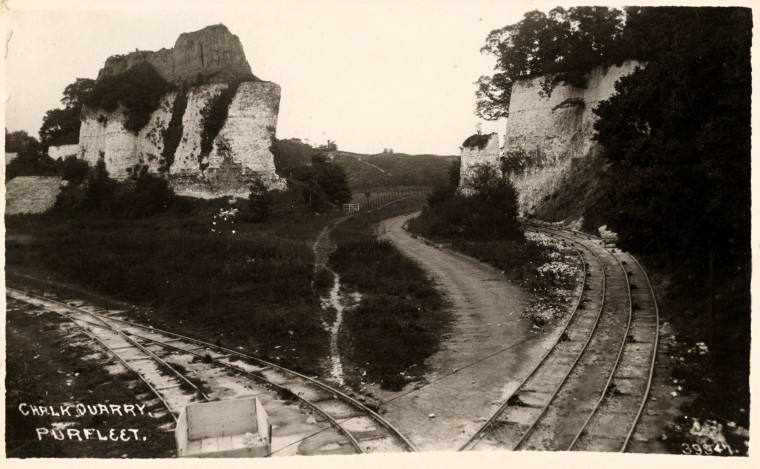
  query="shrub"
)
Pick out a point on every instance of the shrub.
point(144, 194)
point(488, 212)
point(260, 202)
point(139, 89)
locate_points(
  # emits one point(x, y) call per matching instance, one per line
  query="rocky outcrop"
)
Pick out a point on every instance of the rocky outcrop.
point(211, 55)
point(31, 194)
point(544, 134)
point(477, 150)
point(62, 151)
point(239, 153)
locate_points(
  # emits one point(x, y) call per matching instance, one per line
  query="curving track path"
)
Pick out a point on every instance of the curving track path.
point(589, 391)
point(488, 333)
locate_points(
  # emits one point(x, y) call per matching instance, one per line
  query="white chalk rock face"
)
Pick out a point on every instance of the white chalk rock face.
point(62, 151)
point(187, 156)
point(485, 152)
point(546, 133)
point(103, 135)
point(248, 130)
point(239, 153)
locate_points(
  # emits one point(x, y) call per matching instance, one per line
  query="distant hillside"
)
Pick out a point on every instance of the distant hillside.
point(393, 169)
point(368, 171)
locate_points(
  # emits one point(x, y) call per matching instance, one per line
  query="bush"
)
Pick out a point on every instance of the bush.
point(260, 202)
point(322, 183)
point(139, 89)
point(487, 212)
point(144, 194)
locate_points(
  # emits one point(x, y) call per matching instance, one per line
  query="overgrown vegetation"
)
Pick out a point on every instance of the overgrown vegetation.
point(260, 202)
point(400, 320)
point(322, 183)
point(172, 135)
point(486, 211)
point(214, 116)
point(199, 267)
point(61, 126)
point(91, 191)
point(678, 186)
point(139, 89)
point(562, 46)
point(676, 161)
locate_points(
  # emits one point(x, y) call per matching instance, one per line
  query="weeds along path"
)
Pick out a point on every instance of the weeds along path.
point(332, 300)
point(489, 350)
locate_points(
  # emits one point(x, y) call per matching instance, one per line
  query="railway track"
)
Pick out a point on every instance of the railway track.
point(364, 429)
point(588, 392)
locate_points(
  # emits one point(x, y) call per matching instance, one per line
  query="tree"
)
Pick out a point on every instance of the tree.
point(677, 134)
point(61, 126)
point(562, 46)
point(260, 201)
point(31, 159)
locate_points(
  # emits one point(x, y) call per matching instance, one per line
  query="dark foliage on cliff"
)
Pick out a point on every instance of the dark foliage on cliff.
point(677, 138)
point(678, 135)
point(214, 115)
point(562, 45)
point(172, 135)
point(139, 89)
point(61, 126)
point(488, 213)
point(478, 141)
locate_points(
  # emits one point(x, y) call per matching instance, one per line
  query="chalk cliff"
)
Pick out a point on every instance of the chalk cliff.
point(240, 151)
point(477, 150)
point(544, 134)
point(211, 55)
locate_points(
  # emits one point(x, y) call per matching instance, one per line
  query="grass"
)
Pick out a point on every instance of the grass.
point(401, 319)
point(44, 369)
point(251, 289)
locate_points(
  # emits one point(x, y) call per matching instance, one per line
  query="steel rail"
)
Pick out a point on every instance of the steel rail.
point(475, 439)
point(617, 359)
point(654, 358)
point(120, 334)
point(354, 442)
point(112, 352)
point(532, 427)
point(344, 397)
point(339, 394)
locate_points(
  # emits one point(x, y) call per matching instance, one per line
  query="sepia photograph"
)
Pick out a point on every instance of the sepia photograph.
point(343, 228)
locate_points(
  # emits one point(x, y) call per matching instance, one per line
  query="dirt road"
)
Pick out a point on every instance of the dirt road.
point(489, 349)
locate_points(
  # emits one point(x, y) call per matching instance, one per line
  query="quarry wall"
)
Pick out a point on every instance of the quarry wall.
point(62, 151)
point(239, 152)
point(544, 134)
point(473, 155)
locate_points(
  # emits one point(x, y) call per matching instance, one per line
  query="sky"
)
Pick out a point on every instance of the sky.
point(367, 74)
